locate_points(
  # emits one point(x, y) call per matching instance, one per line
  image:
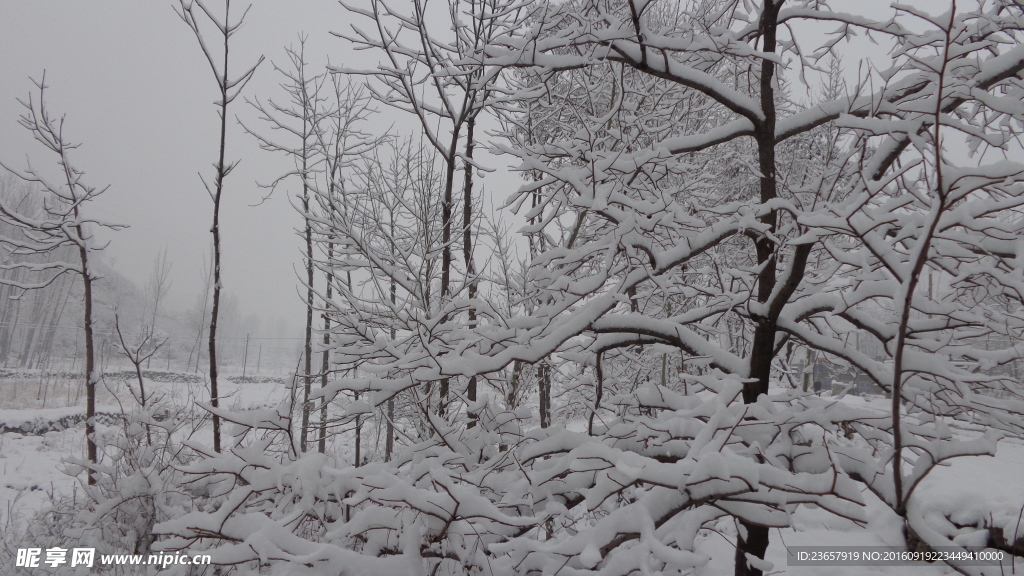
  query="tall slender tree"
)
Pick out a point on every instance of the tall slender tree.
point(342, 141)
point(297, 120)
point(192, 12)
point(157, 287)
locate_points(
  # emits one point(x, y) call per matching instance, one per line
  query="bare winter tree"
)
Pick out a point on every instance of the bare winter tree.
point(61, 223)
point(385, 229)
point(157, 287)
point(445, 84)
point(192, 12)
point(137, 353)
point(341, 144)
point(294, 128)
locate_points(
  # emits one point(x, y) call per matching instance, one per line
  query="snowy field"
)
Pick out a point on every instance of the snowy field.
point(971, 492)
point(31, 452)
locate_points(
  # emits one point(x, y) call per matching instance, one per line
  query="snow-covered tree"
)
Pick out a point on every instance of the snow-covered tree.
point(385, 228)
point(682, 202)
point(61, 223)
point(293, 131)
point(342, 143)
point(922, 257)
point(434, 69)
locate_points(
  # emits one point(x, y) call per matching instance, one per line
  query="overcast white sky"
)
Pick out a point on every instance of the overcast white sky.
point(139, 95)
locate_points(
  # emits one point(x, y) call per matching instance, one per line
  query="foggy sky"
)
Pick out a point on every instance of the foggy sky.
point(139, 96)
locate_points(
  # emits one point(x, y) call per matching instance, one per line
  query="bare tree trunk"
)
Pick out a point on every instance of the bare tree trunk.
point(544, 391)
point(359, 437)
point(467, 247)
point(325, 363)
point(752, 539)
point(598, 393)
point(389, 444)
point(91, 375)
point(215, 309)
point(307, 387)
point(229, 90)
point(446, 243)
point(359, 422)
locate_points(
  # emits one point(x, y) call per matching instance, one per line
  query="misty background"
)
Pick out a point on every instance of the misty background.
point(138, 95)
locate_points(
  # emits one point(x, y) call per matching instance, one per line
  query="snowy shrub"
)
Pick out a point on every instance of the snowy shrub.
point(137, 485)
point(633, 497)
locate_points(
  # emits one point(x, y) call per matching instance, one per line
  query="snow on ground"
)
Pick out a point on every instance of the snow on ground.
point(981, 490)
point(31, 464)
point(30, 472)
point(969, 491)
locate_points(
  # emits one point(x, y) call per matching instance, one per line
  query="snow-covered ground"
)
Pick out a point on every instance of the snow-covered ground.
point(31, 462)
point(970, 491)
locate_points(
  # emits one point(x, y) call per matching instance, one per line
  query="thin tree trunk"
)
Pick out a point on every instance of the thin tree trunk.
point(91, 376)
point(199, 338)
point(537, 246)
point(214, 312)
point(142, 397)
point(389, 444)
point(308, 380)
point(513, 389)
point(544, 391)
point(359, 437)
point(911, 282)
point(325, 363)
point(221, 174)
point(467, 248)
point(598, 393)
point(446, 250)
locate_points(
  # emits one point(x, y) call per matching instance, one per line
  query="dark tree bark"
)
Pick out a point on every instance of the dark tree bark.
point(467, 245)
point(91, 376)
point(229, 90)
point(755, 541)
